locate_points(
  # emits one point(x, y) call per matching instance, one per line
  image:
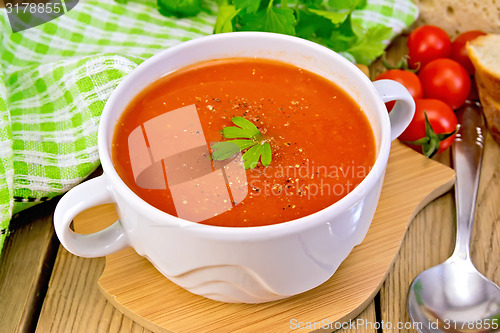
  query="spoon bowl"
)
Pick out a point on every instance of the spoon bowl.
point(454, 296)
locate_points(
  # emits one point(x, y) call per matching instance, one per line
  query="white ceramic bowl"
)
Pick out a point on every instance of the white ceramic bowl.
point(255, 264)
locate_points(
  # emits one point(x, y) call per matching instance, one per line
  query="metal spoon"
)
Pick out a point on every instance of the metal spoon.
point(454, 296)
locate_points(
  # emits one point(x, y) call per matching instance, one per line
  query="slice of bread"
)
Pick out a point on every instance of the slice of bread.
point(456, 16)
point(484, 53)
point(491, 110)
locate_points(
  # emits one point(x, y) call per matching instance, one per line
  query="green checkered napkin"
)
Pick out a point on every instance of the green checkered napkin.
point(55, 79)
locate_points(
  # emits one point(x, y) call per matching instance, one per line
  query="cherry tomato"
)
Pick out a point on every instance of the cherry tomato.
point(442, 120)
point(446, 80)
point(459, 52)
point(408, 79)
point(427, 43)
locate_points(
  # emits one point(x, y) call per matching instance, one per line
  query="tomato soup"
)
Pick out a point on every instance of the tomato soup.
point(322, 145)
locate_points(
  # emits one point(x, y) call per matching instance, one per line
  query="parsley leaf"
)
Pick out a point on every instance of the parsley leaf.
point(313, 27)
point(243, 144)
point(224, 22)
point(224, 150)
point(179, 8)
point(327, 22)
point(335, 17)
point(236, 132)
point(247, 125)
point(270, 19)
point(250, 6)
point(346, 4)
point(266, 154)
point(251, 157)
point(258, 147)
point(370, 44)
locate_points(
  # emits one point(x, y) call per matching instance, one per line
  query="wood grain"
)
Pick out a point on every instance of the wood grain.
point(485, 243)
point(137, 289)
point(431, 236)
point(74, 303)
point(25, 268)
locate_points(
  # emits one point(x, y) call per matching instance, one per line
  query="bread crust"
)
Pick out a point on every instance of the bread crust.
point(480, 51)
point(484, 52)
point(491, 110)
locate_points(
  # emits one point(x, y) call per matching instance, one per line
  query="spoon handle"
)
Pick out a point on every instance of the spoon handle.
point(467, 155)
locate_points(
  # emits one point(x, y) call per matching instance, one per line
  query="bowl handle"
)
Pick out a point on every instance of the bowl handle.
point(404, 109)
point(88, 194)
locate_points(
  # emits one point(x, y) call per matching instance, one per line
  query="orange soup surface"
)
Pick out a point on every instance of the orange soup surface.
point(321, 142)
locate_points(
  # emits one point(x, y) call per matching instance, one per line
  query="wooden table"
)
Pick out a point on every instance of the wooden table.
point(43, 288)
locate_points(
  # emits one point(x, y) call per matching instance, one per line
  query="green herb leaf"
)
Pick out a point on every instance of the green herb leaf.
point(225, 16)
point(270, 19)
point(345, 4)
point(327, 22)
point(179, 8)
point(122, 2)
point(236, 132)
point(343, 37)
point(252, 156)
point(249, 6)
point(266, 154)
point(246, 125)
point(245, 130)
point(337, 11)
point(370, 44)
point(334, 17)
point(258, 147)
point(224, 150)
point(361, 4)
point(313, 27)
point(243, 144)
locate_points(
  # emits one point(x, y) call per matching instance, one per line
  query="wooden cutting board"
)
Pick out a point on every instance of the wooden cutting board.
point(138, 290)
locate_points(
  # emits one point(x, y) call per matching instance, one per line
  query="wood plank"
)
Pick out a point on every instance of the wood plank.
point(74, 303)
point(431, 236)
point(364, 323)
point(428, 242)
point(25, 268)
point(74, 286)
point(485, 243)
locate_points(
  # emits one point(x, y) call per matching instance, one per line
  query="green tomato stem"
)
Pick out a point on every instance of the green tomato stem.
point(431, 142)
